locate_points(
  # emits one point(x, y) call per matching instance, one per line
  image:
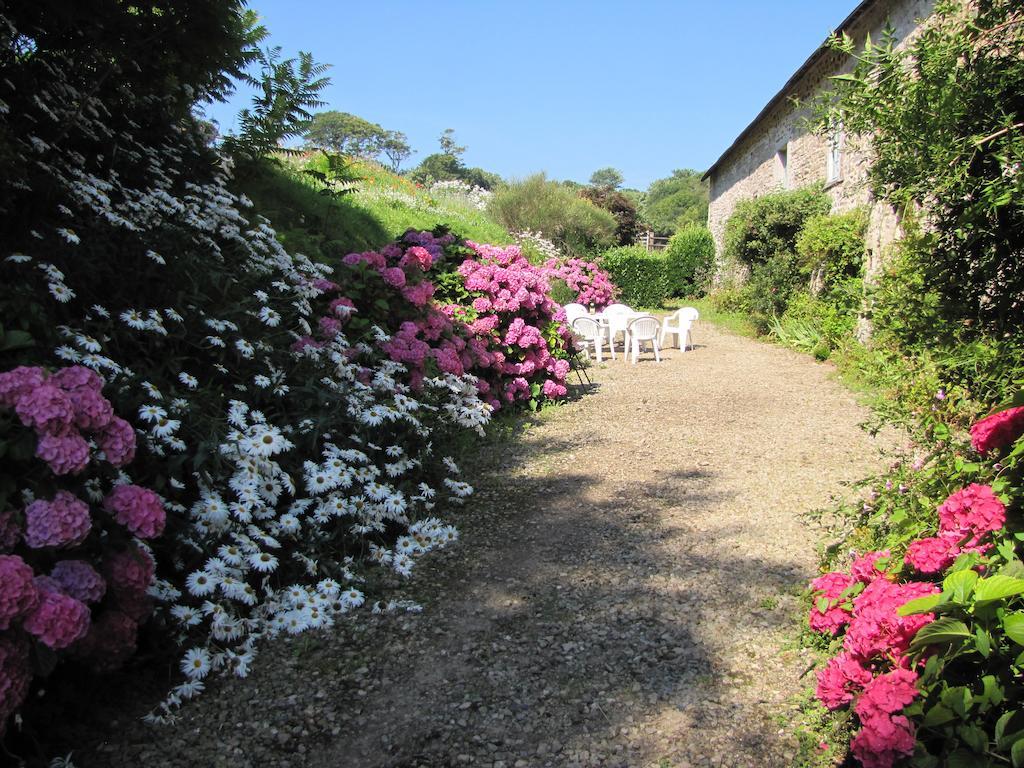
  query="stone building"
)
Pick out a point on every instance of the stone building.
point(777, 151)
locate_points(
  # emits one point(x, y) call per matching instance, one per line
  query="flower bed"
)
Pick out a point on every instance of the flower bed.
point(926, 643)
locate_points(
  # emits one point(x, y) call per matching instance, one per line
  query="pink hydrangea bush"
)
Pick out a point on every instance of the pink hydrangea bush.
point(996, 431)
point(53, 548)
point(592, 284)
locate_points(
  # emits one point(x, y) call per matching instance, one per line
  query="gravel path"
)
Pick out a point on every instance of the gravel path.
point(624, 593)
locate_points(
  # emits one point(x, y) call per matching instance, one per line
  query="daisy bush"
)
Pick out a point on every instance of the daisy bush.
point(926, 637)
point(200, 429)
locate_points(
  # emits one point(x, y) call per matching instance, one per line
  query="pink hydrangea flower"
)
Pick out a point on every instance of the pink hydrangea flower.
point(58, 620)
point(972, 511)
point(129, 574)
point(76, 377)
point(394, 276)
point(933, 555)
point(15, 674)
point(417, 256)
point(883, 740)
point(117, 441)
point(877, 630)
point(887, 694)
point(18, 593)
point(64, 520)
point(47, 408)
point(137, 509)
point(17, 383)
point(843, 676)
point(830, 587)
point(66, 453)
point(994, 432)
point(79, 580)
point(865, 568)
point(92, 410)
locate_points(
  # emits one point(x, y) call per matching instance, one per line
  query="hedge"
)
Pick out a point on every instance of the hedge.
point(641, 276)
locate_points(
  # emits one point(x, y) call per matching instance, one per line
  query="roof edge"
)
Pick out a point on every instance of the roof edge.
point(813, 59)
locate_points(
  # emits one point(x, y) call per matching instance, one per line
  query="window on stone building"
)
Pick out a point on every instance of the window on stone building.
point(782, 165)
point(834, 160)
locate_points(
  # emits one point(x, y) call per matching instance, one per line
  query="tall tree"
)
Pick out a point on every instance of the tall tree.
point(395, 147)
point(448, 145)
point(345, 133)
point(607, 178)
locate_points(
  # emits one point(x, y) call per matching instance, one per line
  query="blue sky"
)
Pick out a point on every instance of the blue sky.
point(562, 86)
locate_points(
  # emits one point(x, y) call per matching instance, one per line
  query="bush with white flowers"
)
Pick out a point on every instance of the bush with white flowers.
point(273, 479)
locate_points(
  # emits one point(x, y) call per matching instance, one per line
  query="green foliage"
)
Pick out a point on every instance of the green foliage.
point(832, 246)
point(344, 134)
point(765, 227)
point(820, 325)
point(609, 178)
point(674, 202)
point(535, 204)
point(442, 166)
point(690, 260)
point(287, 90)
point(560, 291)
point(448, 144)
point(618, 205)
point(640, 276)
point(943, 119)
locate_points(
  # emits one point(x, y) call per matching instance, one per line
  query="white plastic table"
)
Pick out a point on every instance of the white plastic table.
point(615, 323)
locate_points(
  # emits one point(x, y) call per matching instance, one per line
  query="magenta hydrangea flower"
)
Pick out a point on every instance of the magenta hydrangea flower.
point(79, 580)
point(887, 694)
point(77, 377)
point(865, 568)
point(394, 276)
point(991, 433)
point(117, 441)
point(17, 383)
point(841, 679)
point(933, 555)
point(137, 509)
point(129, 574)
point(92, 410)
point(47, 408)
point(18, 593)
point(64, 520)
point(58, 620)
point(15, 674)
point(883, 740)
point(972, 511)
point(65, 453)
point(877, 630)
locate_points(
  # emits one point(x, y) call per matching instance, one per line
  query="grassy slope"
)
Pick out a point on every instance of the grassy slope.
point(381, 207)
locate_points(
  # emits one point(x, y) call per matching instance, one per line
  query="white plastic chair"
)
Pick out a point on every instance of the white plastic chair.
point(591, 333)
point(574, 310)
point(643, 329)
point(678, 324)
point(618, 316)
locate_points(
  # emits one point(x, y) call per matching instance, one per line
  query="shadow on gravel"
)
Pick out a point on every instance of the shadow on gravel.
point(569, 627)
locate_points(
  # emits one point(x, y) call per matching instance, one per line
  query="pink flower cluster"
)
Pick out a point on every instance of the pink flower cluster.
point(876, 641)
point(503, 336)
point(60, 408)
point(137, 509)
point(593, 285)
point(998, 430)
point(964, 520)
point(62, 522)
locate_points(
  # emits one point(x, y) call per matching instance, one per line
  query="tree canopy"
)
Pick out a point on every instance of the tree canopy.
point(345, 133)
point(676, 201)
point(608, 178)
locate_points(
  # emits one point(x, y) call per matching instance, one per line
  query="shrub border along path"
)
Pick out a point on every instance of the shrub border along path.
point(624, 594)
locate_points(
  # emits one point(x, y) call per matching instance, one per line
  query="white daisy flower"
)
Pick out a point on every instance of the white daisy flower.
point(261, 381)
point(245, 349)
point(164, 427)
point(270, 317)
point(173, 315)
point(18, 258)
point(134, 319)
point(65, 352)
point(61, 292)
point(261, 296)
point(188, 380)
point(100, 310)
point(152, 391)
point(154, 256)
point(200, 583)
point(152, 413)
point(196, 663)
point(264, 562)
point(215, 341)
point(88, 343)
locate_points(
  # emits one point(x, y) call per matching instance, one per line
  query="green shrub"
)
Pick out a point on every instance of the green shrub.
point(765, 226)
point(560, 291)
point(770, 287)
point(833, 246)
point(689, 258)
point(640, 276)
point(535, 204)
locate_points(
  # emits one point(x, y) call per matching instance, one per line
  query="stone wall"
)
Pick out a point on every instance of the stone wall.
point(753, 169)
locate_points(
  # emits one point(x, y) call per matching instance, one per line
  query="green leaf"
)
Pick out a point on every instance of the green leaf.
point(997, 587)
point(1013, 626)
point(958, 698)
point(1014, 567)
point(938, 715)
point(992, 692)
point(960, 584)
point(962, 759)
point(982, 642)
point(944, 630)
point(1001, 726)
point(920, 605)
point(974, 737)
point(15, 340)
point(1017, 753)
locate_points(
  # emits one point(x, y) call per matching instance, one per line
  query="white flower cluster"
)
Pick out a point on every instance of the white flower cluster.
point(286, 474)
point(467, 194)
point(539, 243)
